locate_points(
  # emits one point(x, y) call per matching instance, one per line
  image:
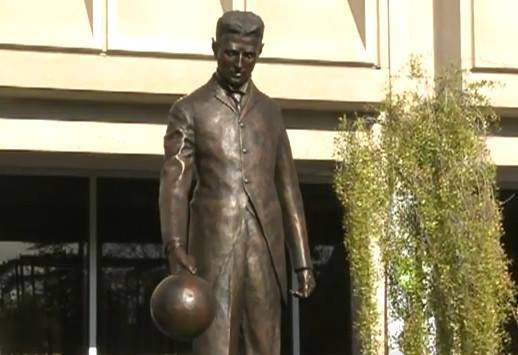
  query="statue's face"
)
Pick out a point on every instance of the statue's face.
point(236, 56)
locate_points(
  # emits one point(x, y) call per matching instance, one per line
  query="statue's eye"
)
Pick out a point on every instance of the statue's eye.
point(231, 53)
point(250, 55)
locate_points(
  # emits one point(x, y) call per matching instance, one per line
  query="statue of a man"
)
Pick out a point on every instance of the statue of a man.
point(229, 197)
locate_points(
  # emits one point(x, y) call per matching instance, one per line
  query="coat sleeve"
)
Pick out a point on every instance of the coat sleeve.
point(291, 203)
point(176, 176)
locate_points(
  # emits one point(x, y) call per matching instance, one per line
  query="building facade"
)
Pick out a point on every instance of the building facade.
point(85, 86)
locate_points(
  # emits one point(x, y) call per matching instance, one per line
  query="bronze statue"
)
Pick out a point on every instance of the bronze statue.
point(228, 139)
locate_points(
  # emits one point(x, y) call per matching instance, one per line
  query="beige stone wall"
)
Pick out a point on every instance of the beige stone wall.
point(163, 46)
point(479, 36)
point(320, 57)
point(52, 23)
point(338, 45)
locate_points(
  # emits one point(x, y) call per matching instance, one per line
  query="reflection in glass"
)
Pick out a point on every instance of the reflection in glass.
point(132, 264)
point(43, 231)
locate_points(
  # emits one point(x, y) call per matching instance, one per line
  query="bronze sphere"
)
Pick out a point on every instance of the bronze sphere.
point(182, 306)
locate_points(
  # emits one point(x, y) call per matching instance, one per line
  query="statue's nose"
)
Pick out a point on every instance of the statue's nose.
point(239, 61)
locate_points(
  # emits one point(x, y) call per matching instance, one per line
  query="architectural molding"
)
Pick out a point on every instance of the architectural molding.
point(146, 139)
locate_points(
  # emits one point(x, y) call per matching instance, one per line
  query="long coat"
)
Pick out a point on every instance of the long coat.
point(234, 159)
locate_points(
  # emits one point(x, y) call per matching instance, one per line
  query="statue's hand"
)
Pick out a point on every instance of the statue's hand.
point(180, 260)
point(307, 283)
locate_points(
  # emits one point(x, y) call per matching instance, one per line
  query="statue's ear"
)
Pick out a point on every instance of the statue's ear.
point(215, 47)
point(260, 49)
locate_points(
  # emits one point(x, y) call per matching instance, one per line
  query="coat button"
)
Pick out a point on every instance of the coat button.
point(244, 150)
point(245, 180)
point(241, 124)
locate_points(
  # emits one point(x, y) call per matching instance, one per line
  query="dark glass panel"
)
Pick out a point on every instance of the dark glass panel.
point(43, 234)
point(132, 264)
point(510, 214)
point(325, 317)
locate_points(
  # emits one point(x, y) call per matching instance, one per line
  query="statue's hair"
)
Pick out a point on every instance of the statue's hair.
point(243, 23)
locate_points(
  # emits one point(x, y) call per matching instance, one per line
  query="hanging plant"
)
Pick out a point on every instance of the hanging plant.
point(424, 192)
point(362, 187)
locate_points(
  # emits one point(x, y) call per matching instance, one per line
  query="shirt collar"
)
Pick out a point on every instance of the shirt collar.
point(228, 89)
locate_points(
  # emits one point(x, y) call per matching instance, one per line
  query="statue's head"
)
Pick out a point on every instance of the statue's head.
point(237, 46)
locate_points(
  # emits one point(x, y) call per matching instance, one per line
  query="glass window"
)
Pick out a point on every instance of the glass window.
point(325, 317)
point(132, 264)
point(43, 243)
point(510, 242)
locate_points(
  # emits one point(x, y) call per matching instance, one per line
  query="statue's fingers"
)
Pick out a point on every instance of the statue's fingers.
point(191, 264)
point(193, 269)
point(184, 263)
point(296, 293)
point(306, 291)
point(175, 268)
point(311, 287)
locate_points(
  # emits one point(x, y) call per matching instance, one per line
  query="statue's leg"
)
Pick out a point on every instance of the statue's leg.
point(262, 301)
point(223, 335)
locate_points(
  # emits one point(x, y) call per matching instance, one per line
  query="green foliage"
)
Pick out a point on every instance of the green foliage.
point(361, 186)
point(423, 189)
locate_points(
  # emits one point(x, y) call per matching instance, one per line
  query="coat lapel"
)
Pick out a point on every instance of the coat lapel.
point(251, 100)
point(223, 97)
